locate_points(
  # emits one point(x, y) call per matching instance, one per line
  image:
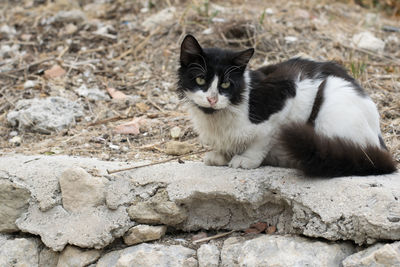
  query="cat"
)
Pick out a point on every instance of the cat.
point(301, 114)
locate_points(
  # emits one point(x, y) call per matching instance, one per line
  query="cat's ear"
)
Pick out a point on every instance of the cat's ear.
point(242, 58)
point(190, 48)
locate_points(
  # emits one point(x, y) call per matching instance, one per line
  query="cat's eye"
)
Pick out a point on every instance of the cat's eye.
point(200, 81)
point(225, 85)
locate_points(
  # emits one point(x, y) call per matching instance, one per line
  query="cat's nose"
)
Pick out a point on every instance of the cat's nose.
point(212, 100)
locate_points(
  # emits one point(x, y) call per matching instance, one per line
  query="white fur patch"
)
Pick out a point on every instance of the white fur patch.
point(344, 113)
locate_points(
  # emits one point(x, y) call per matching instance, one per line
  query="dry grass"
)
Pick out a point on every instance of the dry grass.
point(143, 63)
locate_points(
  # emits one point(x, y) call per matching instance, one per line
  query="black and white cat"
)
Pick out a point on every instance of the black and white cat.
point(299, 113)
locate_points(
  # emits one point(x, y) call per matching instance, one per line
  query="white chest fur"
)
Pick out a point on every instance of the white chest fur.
point(227, 131)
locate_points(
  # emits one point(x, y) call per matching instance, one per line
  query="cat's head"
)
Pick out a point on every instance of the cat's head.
point(211, 78)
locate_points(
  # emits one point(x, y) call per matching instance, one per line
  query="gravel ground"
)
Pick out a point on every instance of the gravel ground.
point(81, 51)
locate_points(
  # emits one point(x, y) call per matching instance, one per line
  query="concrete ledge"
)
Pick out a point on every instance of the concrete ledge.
point(361, 209)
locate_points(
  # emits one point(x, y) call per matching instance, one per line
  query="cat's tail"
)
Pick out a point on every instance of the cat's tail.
point(318, 155)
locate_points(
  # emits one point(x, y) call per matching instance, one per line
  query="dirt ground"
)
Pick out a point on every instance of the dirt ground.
point(112, 44)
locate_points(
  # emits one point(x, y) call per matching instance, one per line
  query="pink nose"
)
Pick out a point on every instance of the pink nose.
point(212, 100)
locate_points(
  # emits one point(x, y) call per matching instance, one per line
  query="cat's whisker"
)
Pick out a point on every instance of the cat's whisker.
point(195, 65)
point(205, 63)
point(230, 70)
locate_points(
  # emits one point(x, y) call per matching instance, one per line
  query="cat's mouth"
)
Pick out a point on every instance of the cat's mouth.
point(207, 110)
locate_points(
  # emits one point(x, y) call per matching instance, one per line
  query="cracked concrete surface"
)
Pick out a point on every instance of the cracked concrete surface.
point(361, 209)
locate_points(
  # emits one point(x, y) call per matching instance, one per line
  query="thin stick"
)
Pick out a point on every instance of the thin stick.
point(63, 53)
point(157, 162)
point(213, 237)
point(154, 104)
point(29, 66)
point(116, 118)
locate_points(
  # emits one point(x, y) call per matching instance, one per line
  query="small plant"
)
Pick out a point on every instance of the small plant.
point(357, 69)
point(204, 9)
point(262, 17)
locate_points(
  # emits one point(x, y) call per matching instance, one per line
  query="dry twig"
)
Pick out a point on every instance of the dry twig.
point(157, 162)
point(213, 237)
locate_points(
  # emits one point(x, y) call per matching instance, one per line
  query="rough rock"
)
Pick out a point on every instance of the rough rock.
point(378, 255)
point(7, 30)
point(80, 190)
point(55, 71)
point(16, 140)
point(367, 40)
point(119, 192)
point(208, 255)
point(91, 228)
point(175, 132)
point(13, 202)
point(92, 93)
point(40, 174)
point(142, 233)
point(177, 148)
point(157, 210)
point(190, 262)
point(362, 209)
point(70, 16)
point(19, 252)
point(75, 257)
point(163, 17)
point(30, 84)
point(277, 251)
point(44, 115)
point(148, 255)
point(48, 258)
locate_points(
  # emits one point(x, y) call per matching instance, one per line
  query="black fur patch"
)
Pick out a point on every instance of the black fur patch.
point(268, 94)
point(208, 110)
point(209, 63)
point(318, 155)
point(319, 99)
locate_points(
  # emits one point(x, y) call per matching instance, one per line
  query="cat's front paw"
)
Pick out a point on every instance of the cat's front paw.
point(214, 158)
point(239, 161)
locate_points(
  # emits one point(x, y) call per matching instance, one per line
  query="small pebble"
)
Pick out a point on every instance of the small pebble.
point(388, 28)
point(142, 107)
point(208, 31)
point(269, 11)
point(54, 72)
point(260, 226)
point(29, 84)
point(16, 140)
point(70, 29)
point(56, 150)
point(115, 147)
point(176, 148)
point(290, 39)
point(270, 230)
point(13, 133)
point(175, 132)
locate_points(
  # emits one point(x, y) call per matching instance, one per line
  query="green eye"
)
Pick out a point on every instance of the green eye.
point(225, 85)
point(200, 81)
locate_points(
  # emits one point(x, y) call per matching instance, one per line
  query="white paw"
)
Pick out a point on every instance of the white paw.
point(244, 162)
point(215, 159)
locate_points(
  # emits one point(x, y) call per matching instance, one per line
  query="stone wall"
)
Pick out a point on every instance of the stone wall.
point(67, 211)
